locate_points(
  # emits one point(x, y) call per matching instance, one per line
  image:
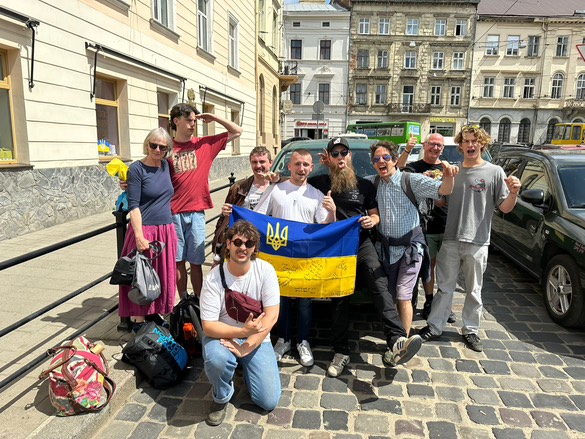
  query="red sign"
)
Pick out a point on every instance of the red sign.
point(310, 124)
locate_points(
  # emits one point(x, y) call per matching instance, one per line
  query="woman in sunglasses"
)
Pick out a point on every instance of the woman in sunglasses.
point(149, 201)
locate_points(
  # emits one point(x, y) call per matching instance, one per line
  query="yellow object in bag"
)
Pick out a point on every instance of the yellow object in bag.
point(118, 168)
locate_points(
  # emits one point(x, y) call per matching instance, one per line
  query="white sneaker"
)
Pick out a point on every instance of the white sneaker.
point(305, 354)
point(280, 348)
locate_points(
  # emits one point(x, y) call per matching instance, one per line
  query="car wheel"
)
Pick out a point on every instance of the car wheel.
point(563, 292)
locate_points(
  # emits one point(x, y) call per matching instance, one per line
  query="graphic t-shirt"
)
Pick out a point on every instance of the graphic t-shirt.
point(251, 200)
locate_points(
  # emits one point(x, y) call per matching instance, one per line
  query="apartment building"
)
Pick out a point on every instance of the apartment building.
point(527, 72)
point(82, 82)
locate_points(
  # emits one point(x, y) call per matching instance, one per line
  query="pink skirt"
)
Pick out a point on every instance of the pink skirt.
point(165, 266)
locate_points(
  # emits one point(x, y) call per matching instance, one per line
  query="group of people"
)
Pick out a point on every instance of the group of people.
point(168, 193)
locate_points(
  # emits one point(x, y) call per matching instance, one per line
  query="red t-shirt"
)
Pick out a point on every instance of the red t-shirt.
point(190, 165)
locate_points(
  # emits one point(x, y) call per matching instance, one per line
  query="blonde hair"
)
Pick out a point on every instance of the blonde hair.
point(158, 133)
point(483, 138)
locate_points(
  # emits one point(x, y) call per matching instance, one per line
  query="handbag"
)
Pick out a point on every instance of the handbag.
point(78, 378)
point(123, 272)
point(239, 305)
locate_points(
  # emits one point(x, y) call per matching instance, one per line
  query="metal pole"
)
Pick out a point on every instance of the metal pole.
point(121, 226)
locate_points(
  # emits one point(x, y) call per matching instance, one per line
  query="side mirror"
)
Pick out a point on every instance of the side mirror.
point(533, 196)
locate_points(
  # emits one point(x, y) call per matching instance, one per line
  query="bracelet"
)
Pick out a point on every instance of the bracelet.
point(407, 151)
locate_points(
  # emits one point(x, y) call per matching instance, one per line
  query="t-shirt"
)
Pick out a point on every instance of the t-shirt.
point(476, 194)
point(150, 189)
point(190, 165)
point(436, 224)
point(251, 200)
point(260, 283)
point(294, 203)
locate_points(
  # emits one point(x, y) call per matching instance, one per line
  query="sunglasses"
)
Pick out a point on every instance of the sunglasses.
point(469, 127)
point(386, 157)
point(153, 146)
point(343, 152)
point(238, 243)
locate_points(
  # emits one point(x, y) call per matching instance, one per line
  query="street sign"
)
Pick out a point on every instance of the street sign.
point(318, 107)
point(581, 49)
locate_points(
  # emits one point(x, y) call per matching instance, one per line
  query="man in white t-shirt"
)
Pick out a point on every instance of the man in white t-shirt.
point(227, 342)
point(297, 200)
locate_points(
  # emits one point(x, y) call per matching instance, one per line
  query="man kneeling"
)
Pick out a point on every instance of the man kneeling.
point(226, 341)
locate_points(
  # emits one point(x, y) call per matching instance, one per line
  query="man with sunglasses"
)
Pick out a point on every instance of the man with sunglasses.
point(354, 196)
point(228, 342)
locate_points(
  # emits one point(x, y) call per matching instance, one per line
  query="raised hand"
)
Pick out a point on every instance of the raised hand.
point(513, 184)
point(328, 203)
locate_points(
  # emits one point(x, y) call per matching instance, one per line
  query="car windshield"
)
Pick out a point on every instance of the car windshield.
point(572, 181)
point(452, 154)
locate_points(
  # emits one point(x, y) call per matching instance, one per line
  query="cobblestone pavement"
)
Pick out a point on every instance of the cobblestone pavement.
point(528, 383)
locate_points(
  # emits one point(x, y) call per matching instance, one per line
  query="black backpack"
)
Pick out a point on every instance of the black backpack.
point(185, 325)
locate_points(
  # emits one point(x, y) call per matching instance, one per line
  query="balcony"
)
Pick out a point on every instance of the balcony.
point(409, 73)
point(287, 72)
point(409, 108)
point(575, 103)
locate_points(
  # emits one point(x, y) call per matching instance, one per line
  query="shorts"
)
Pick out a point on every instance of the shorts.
point(190, 227)
point(434, 242)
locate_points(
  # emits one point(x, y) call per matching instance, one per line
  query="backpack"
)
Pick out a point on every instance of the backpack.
point(185, 325)
point(424, 207)
point(155, 353)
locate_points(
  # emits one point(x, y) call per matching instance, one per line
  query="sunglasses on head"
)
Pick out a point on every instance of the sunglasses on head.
point(470, 127)
point(238, 243)
point(153, 146)
point(386, 157)
point(343, 152)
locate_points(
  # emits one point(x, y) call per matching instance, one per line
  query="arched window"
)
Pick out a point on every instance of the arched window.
point(486, 125)
point(550, 129)
point(524, 131)
point(557, 86)
point(504, 130)
point(261, 110)
point(580, 95)
point(274, 113)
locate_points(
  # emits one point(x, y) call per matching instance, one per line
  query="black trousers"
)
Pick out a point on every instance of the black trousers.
point(370, 270)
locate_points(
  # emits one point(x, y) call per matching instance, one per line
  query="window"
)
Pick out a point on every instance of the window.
point(557, 86)
point(458, 60)
point(204, 22)
point(486, 124)
point(7, 152)
point(163, 104)
point(529, 88)
point(407, 98)
point(364, 26)
point(261, 97)
point(106, 111)
point(562, 46)
point(534, 177)
point(412, 26)
point(435, 95)
point(326, 24)
point(363, 58)
point(580, 95)
point(275, 30)
point(488, 86)
point(461, 27)
point(296, 24)
point(456, 95)
point(509, 85)
point(440, 27)
point(438, 60)
point(382, 59)
point(381, 94)
point(533, 45)
point(550, 129)
point(234, 43)
point(296, 49)
point(504, 130)
point(324, 93)
point(410, 60)
point(294, 93)
point(492, 45)
point(361, 94)
point(524, 131)
point(513, 47)
point(325, 49)
point(384, 26)
point(163, 13)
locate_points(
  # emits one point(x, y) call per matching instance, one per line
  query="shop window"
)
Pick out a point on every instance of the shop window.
point(7, 152)
point(106, 110)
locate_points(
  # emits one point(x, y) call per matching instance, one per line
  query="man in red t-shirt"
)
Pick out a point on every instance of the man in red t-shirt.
point(191, 162)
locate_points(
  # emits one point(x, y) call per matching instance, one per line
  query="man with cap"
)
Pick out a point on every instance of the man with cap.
point(353, 196)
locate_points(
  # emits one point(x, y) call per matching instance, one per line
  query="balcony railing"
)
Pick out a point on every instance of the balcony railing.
point(409, 108)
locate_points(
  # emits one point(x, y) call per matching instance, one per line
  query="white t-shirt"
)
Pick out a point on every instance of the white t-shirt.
point(294, 203)
point(260, 283)
point(251, 200)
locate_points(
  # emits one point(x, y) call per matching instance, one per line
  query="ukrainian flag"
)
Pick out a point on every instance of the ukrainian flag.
point(311, 260)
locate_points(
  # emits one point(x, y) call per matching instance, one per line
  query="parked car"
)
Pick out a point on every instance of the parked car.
point(414, 154)
point(545, 232)
point(452, 154)
point(497, 147)
point(293, 139)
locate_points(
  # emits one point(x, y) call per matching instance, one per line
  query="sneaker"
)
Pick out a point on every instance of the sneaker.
point(337, 365)
point(473, 342)
point(452, 318)
point(427, 309)
point(426, 335)
point(216, 413)
point(402, 351)
point(305, 354)
point(280, 348)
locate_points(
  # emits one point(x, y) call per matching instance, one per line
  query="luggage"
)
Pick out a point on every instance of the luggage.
point(185, 325)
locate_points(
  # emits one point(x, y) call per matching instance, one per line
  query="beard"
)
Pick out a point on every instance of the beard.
point(343, 180)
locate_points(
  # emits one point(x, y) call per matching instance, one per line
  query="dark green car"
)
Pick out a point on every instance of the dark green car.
point(545, 232)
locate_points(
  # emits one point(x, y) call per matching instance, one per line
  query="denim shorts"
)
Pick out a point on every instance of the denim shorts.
point(190, 227)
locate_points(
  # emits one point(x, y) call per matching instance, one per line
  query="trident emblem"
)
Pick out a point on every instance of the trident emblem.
point(276, 239)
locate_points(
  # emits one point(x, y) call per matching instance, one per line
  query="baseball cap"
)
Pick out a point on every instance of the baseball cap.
point(337, 141)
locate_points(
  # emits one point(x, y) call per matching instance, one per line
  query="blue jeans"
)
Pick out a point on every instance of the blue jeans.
point(304, 316)
point(260, 373)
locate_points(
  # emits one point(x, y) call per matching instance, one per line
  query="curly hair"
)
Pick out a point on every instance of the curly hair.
point(181, 110)
point(390, 146)
point(246, 229)
point(482, 137)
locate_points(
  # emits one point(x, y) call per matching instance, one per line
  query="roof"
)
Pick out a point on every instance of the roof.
point(310, 7)
point(531, 8)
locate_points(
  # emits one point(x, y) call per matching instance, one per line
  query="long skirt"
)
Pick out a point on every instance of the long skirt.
point(165, 266)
